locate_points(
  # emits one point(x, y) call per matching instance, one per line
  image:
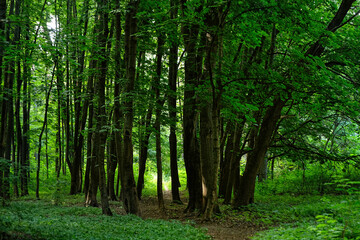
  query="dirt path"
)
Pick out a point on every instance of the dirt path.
point(224, 227)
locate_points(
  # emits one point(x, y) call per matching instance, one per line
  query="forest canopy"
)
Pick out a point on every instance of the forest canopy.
point(210, 95)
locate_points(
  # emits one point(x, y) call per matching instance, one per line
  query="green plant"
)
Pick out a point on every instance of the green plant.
point(345, 185)
point(327, 227)
point(42, 220)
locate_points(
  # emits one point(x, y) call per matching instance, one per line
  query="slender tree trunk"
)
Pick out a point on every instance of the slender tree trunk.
point(234, 171)
point(101, 120)
point(88, 104)
point(93, 173)
point(6, 135)
point(225, 164)
point(117, 110)
point(130, 199)
point(41, 134)
point(17, 104)
point(111, 168)
point(159, 104)
point(173, 56)
point(6, 111)
point(245, 194)
point(80, 111)
point(144, 146)
point(18, 130)
point(25, 159)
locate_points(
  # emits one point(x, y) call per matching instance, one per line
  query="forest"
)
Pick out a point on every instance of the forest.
point(179, 119)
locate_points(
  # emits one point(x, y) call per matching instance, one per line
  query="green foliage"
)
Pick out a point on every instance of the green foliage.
point(345, 185)
point(316, 178)
point(311, 217)
point(41, 220)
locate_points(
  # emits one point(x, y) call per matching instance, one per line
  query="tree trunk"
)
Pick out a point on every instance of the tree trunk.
point(225, 165)
point(42, 132)
point(245, 194)
point(263, 170)
point(190, 116)
point(89, 104)
point(25, 159)
point(111, 168)
point(159, 104)
point(80, 111)
point(101, 120)
point(235, 158)
point(173, 68)
point(6, 134)
point(118, 115)
point(19, 81)
point(93, 173)
point(210, 108)
point(144, 146)
point(130, 199)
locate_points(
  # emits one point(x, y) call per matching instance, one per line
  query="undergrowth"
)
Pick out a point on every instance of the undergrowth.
point(43, 220)
point(309, 217)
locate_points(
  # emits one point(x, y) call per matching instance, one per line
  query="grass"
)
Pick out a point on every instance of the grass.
point(43, 220)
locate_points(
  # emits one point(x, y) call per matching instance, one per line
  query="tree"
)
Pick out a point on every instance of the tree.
point(190, 32)
point(172, 97)
point(129, 197)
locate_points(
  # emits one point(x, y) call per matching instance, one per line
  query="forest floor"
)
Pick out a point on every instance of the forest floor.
point(224, 226)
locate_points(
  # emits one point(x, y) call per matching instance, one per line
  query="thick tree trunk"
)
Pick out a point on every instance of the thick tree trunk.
point(210, 108)
point(190, 116)
point(130, 199)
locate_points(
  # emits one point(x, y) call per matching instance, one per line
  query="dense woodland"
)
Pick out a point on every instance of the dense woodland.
point(215, 97)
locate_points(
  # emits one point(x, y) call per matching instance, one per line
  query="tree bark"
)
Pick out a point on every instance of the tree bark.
point(118, 115)
point(190, 34)
point(173, 68)
point(129, 197)
point(42, 132)
point(225, 165)
point(245, 194)
point(101, 119)
point(235, 158)
point(159, 104)
point(111, 168)
point(144, 146)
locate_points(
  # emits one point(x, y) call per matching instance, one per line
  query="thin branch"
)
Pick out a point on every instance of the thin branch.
point(346, 22)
